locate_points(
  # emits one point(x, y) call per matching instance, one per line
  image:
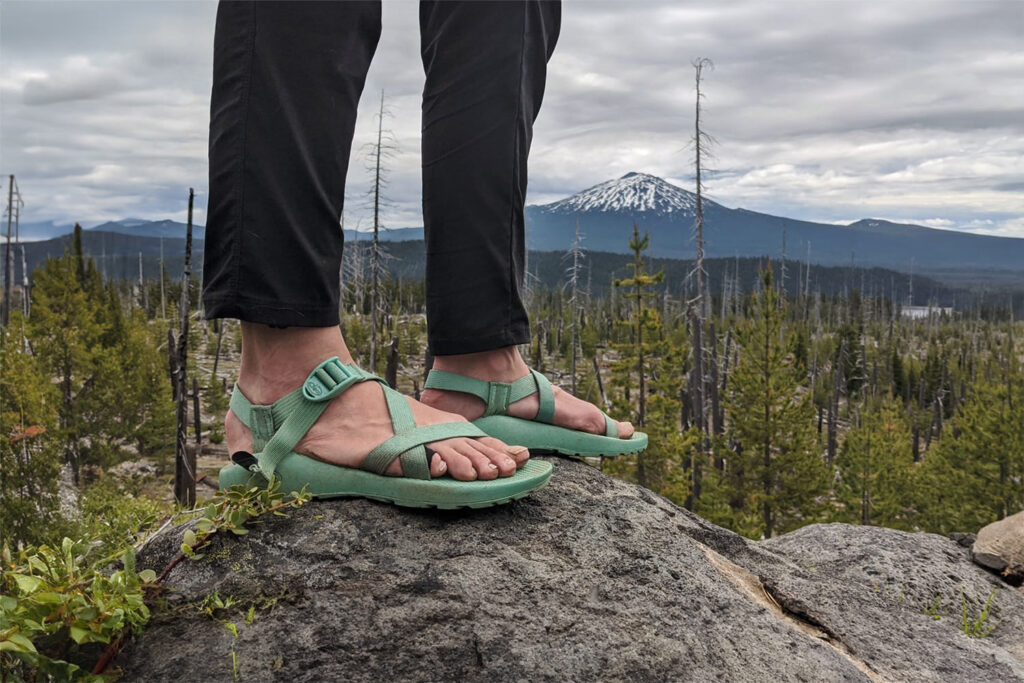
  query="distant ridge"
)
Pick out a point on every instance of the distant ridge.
point(606, 213)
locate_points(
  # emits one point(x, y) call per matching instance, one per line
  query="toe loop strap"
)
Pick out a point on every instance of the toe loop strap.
point(611, 427)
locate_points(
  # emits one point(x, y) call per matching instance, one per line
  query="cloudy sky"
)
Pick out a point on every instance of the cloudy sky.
point(827, 110)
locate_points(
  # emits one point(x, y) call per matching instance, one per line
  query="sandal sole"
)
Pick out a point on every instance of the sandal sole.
point(543, 438)
point(326, 481)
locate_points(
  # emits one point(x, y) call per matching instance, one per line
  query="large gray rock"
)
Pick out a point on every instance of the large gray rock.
point(1000, 546)
point(589, 579)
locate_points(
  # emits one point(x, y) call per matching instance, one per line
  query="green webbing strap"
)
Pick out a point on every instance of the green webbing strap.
point(415, 463)
point(546, 412)
point(381, 456)
point(286, 438)
point(499, 395)
point(611, 428)
point(263, 421)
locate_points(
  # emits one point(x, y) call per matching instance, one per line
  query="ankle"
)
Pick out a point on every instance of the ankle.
point(276, 361)
point(504, 364)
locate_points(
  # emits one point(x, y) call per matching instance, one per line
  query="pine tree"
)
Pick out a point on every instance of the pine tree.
point(777, 470)
point(644, 317)
point(638, 358)
point(875, 467)
point(30, 448)
point(973, 475)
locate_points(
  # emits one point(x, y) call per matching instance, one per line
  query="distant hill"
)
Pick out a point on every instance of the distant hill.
point(386, 235)
point(139, 227)
point(117, 254)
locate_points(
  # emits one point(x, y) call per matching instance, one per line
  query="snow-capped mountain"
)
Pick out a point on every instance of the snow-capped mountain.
point(606, 213)
point(631, 194)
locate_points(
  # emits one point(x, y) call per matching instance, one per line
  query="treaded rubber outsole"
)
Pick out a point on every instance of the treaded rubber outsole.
point(325, 481)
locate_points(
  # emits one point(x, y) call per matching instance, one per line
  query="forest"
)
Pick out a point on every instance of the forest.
point(771, 403)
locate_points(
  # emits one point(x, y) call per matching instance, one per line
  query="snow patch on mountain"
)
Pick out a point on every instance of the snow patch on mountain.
point(632, 193)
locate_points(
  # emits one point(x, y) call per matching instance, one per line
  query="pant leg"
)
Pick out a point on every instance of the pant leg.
point(485, 65)
point(287, 77)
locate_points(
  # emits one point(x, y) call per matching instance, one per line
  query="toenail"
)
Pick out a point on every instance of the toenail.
point(516, 450)
point(509, 462)
point(442, 467)
point(492, 465)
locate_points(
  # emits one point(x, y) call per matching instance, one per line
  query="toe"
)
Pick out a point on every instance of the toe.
point(519, 454)
point(626, 430)
point(485, 469)
point(506, 465)
point(458, 465)
point(437, 465)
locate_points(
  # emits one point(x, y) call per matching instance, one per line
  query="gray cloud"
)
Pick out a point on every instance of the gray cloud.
point(828, 111)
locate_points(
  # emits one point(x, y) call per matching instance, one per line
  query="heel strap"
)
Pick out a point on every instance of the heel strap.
point(499, 395)
point(329, 379)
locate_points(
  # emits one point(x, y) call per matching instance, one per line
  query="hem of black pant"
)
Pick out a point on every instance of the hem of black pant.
point(269, 312)
point(508, 337)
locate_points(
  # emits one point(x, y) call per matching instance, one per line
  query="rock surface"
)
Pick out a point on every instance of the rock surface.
point(589, 579)
point(1000, 545)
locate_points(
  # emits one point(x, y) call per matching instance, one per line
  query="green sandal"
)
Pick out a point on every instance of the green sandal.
point(277, 428)
point(538, 434)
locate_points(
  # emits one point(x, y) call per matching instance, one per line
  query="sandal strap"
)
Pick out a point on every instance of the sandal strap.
point(400, 445)
point(279, 427)
point(499, 395)
point(611, 426)
point(327, 380)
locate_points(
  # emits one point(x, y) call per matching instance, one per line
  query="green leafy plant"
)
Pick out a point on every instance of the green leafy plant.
point(933, 610)
point(53, 600)
point(65, 594)
point(977, 627)
point(231, 509)
point(214, 602)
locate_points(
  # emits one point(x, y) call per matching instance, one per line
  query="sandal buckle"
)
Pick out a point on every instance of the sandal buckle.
point(327, 380)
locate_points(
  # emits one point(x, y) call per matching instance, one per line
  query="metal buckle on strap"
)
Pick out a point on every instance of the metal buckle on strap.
point(327, 380)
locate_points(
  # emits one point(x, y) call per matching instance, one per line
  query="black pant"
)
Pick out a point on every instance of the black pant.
point(286, 84)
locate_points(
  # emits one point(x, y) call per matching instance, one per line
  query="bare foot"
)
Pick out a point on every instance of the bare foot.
point(506, 365)
point(276, 361)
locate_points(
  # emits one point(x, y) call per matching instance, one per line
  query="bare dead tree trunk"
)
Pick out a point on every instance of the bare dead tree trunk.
point(195, 411)
point(697, 385)
point(600, 385)
point(391, 373)
point(375, 260)
point(726, 350)
point(716, 404)
point(26, 298)
point(700, 142)
point(833, 411)
point(220, 339)
point(142, 287)
point(699, 310)
point(184, 458)
point(574, 301)
point(9, 255)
